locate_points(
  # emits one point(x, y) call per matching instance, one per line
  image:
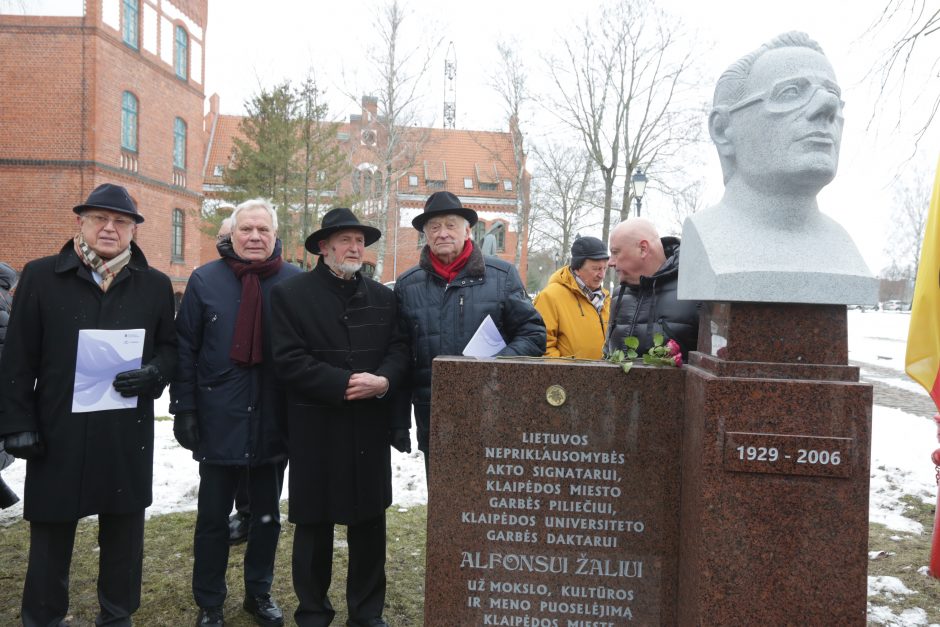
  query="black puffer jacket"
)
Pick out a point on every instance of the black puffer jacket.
point(441, 318)
point(652, 307)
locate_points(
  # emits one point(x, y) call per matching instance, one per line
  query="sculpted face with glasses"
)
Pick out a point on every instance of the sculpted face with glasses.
point(108, 233)
point(776, 120)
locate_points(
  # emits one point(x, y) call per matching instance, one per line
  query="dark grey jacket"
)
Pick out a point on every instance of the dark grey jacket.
point(241, 410)
point(441, 318)
point(652, 307)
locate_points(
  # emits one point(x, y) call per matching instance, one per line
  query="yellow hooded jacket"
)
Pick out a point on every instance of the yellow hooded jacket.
point(573, 327)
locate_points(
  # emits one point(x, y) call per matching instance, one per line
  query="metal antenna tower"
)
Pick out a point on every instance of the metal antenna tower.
point(450, 87)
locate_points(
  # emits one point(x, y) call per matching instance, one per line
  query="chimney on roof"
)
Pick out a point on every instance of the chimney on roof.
point(370, 107)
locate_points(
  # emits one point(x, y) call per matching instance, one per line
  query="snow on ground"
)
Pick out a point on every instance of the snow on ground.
point(176, 474)
point(901, 445)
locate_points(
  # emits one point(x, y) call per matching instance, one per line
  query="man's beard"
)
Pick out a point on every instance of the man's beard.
point(345, 269)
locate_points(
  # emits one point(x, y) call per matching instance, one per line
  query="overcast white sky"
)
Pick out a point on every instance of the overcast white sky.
point(251, 44)
point(245, 50)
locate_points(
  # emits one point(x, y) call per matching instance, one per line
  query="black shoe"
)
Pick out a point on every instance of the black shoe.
point(238, 528)
point(210, 617)
point(264, 609)
point(372, 622)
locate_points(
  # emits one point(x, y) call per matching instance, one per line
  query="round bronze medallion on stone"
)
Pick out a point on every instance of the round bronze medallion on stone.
point(556, 395)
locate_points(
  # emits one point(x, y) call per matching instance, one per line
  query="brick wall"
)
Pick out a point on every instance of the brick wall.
point(60, 132)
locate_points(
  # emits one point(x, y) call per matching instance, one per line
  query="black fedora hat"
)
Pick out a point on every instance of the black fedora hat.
point(113, 198)
point(443, 203)
point(340, 219)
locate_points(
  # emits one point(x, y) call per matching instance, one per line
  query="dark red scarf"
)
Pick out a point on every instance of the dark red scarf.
point(247, 340)
point(450, 271)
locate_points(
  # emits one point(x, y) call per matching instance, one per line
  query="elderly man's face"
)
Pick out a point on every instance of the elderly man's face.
point(787, 129)
point(107, 233)
point(592, 272)
point(447, 236)
point(342, 251)
point(253, 236)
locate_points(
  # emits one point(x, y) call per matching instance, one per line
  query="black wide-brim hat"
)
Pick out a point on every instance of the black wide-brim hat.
point(112, 198)
point(340, 219)
point(443, 203)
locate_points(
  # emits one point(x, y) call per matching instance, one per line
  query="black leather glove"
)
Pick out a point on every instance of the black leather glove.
point(25, 444)
point(401, 440)
point(146, 381)
point(186, 430)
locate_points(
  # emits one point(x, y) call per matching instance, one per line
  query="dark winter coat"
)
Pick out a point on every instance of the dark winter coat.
point(95, 462)
point(240, 410)
point(441, 318)
point(652, 307)
point(324, 330)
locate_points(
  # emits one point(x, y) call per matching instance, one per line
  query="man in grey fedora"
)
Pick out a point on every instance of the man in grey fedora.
point(454, 287)
point(83, 461)
point(340, 354)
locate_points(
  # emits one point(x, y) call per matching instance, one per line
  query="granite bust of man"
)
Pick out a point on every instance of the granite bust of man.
point(777, 124)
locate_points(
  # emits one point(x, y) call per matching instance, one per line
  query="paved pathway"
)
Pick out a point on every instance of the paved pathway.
point(891, 396)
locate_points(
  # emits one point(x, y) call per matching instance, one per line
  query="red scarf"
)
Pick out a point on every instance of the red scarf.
point(246, 342)
point(450, 271)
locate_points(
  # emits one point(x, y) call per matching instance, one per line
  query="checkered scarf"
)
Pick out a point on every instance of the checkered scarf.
point(108, 269)
point(595, 297)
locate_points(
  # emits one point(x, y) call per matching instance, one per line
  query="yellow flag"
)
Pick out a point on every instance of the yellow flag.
point(923, 335)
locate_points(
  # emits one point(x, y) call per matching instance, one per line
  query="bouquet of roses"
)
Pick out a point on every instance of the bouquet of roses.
point(660, 354)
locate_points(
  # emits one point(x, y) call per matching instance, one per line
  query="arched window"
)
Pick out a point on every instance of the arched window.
point(130, 29)
point(477, 232)
point(182, 53)
point(129, 122)
point(499, 230)
point(176, 236)
point(179, 144)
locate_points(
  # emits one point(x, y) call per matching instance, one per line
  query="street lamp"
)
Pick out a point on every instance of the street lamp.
point(639, 186)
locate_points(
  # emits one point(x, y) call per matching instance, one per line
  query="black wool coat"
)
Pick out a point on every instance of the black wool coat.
point(325, 329)
point(95, 462)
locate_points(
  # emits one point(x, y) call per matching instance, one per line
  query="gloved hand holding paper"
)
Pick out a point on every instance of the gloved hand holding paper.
point(486, 342)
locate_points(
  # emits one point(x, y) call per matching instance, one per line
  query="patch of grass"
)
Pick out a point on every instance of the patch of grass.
point(166, 595)
point(163, 418)
point(901, 554)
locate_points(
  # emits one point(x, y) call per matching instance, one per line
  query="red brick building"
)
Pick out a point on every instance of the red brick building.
point(112, 95)
point(477, 166)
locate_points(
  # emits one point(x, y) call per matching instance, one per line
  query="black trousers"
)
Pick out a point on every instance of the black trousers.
point(242, 502)
point(46, 591)
point(217, 486)
point(423, 423)
point(312, 567)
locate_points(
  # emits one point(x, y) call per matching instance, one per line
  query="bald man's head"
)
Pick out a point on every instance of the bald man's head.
point(635, 250)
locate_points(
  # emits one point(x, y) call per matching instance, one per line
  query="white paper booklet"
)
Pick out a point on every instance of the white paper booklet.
point(486, 342)
point(102, 353)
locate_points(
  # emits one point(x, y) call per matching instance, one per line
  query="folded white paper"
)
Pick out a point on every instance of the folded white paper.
point(102, 353)
point(486, 342)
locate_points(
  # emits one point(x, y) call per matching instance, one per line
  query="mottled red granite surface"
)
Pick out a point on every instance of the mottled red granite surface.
point(774, 542)
point(775, 332)
point(490, 404)
point(748, 468)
